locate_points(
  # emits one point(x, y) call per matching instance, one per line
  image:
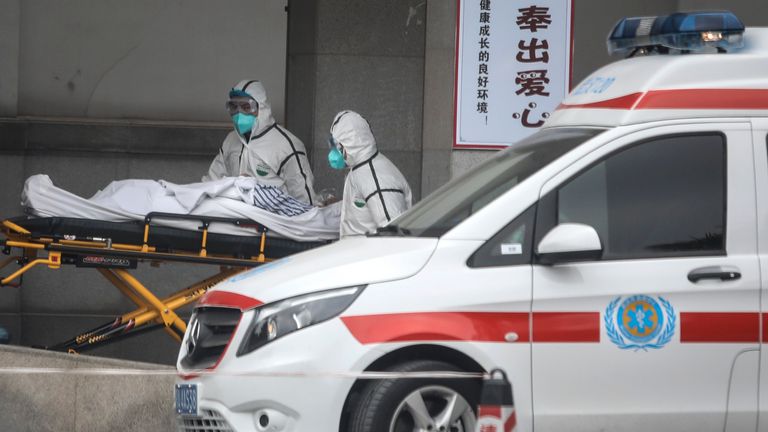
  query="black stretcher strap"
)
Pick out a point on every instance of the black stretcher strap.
point(159, 256)
point(162, 238)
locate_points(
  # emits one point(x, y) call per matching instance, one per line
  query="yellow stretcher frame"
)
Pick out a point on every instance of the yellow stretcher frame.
point(151, 311)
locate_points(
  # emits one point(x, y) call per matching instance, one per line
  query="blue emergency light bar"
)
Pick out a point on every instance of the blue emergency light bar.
point(690, 31)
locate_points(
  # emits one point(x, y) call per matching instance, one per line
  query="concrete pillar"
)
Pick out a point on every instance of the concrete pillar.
point(11, 164)
point(363, 56)
point(439, 76)
point(9, 52)
point(301, 82)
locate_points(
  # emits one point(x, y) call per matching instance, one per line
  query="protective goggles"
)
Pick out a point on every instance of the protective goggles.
point(246, 106)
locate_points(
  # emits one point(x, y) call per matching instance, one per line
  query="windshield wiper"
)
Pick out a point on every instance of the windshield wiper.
point(391, 230)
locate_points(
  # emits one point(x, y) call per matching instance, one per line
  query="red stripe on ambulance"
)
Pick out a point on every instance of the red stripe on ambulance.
point(719, 327)
point(438, 326)
point(566, 326)
point(683, 99)
point(475, 326)
point(622, 102)
point(765, 328)
point(705, 99)
point(228, 299)
point(547, 327)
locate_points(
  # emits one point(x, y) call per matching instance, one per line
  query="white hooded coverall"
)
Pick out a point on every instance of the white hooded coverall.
point(375, 192)
point(273, 155)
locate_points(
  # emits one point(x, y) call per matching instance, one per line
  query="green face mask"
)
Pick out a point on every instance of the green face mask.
point(244, 123)
point(336, 159)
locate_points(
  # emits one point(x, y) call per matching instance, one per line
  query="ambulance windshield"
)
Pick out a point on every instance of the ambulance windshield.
point(465, 195)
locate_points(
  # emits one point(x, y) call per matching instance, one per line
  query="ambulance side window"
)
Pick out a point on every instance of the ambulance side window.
point(510, 246)
point(663, 197)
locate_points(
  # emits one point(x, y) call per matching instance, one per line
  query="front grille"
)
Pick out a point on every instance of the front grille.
point(209, 421)
point(210, 330)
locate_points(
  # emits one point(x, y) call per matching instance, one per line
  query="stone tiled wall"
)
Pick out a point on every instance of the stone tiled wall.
point(363, 56)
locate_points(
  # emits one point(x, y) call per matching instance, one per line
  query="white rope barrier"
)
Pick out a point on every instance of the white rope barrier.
point(183, 374)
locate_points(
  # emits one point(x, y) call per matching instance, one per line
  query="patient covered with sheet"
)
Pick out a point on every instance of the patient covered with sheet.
point(229, 197)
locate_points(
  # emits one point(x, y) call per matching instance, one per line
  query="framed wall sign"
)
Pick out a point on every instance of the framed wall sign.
point(513, 67)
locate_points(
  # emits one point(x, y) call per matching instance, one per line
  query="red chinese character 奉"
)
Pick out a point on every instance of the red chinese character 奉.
point(488, 428)
point(532, 82)
point(533, 18)
point(531, 50)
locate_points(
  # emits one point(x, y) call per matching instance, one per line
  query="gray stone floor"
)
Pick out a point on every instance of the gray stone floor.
point(64, 402)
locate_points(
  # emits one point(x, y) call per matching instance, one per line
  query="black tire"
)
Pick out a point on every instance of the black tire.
point(380, 400)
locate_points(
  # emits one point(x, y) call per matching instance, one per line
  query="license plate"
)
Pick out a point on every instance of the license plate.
point(186, 399)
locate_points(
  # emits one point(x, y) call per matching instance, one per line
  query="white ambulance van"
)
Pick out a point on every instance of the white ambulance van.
point(612, 264)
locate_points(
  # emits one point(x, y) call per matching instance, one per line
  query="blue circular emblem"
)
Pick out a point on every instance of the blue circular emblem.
point(639, 318)
point(640, 322)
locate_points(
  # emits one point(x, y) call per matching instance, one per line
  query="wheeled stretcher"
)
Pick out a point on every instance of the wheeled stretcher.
point(115, 248)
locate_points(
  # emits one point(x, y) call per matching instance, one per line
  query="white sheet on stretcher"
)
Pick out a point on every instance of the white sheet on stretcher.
point(127, 200)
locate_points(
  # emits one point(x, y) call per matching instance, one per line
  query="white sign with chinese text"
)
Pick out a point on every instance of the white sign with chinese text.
point(513, 68)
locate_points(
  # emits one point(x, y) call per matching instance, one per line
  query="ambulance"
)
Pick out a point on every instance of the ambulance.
point(614, 265)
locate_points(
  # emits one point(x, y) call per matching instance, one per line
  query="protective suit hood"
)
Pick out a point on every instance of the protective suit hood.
point(354, 133)
point(375, 191)
point(255, 89)
point(272, 154)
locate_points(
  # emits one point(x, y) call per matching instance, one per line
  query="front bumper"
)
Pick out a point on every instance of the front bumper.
point(294, 384)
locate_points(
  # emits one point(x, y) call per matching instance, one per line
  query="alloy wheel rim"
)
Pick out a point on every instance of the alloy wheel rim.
point(433, 409)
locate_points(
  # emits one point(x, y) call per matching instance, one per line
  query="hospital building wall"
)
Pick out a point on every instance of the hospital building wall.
point(88, 96)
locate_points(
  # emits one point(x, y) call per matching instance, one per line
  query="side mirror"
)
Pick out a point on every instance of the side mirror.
point(569, 242)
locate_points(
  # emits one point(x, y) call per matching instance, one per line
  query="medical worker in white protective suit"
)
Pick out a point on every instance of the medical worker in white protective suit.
point(375, 192)
point(260, 148)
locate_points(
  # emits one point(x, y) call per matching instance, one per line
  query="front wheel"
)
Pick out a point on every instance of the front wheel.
point(422, 404)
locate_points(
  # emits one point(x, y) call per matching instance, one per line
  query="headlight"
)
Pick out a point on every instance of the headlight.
point(278, 319)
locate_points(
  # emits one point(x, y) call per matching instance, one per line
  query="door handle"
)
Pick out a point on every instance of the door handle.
point(723, 273)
